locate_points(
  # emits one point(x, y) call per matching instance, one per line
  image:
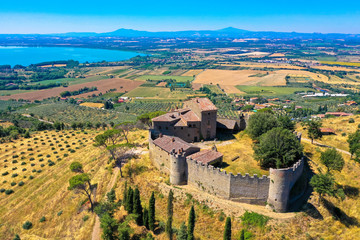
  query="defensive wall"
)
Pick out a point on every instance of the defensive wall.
point(273, 189)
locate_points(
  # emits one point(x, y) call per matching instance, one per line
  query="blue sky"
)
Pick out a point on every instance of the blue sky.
point(42, 16)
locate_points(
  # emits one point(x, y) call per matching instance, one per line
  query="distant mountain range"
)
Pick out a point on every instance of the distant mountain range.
point(229, 32)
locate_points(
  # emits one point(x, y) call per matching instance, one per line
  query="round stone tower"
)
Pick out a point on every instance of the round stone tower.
point(279, 189)
point(178, 169)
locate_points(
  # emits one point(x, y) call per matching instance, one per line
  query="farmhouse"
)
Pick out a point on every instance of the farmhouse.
point(171, 152)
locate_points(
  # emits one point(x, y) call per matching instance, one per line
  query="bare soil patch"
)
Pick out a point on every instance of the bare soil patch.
point(120, 84)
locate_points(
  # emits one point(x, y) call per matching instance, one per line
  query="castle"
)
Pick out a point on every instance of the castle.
point(171, 151)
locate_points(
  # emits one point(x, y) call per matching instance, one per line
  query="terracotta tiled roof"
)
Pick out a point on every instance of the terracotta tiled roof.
point(190, 116)
point(206, 156)
point(204, 103)
point(226, 123)
point(168, 143)
point(327, 130)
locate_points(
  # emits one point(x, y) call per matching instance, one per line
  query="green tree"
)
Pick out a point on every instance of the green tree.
point(76, 167)
point(17, 237)
point(124, 233)
point(109, 226)
point(227, 231)
point(354, 142)
point(170, 210)
point(111, 196)
point(332, 159)
point(137, 209)
point(191, 224)
point(286, 122)
point(125, 193)
point(314, 131)
point(260, 123)
point(146, 118)
point(81, 183)
point(182, 233)
point(323, 184)
point(146, 218)
point(152, 212)
point(130, 200)
point(242, 234)
point(278, 148)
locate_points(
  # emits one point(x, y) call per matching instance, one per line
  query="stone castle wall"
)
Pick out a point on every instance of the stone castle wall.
point(274, 190)
point(234, 187)
point(282, 180)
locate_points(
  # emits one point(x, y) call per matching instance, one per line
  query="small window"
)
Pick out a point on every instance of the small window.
point(159, 127)
point(166, 128)
point(209, 114)
point(182, 128)
point(189, 135)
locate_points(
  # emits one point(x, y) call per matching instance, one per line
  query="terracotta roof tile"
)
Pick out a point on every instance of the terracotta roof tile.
point(168, 143)
point(206, 156)
point(204, 103)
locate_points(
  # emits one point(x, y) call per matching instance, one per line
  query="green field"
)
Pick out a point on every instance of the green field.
point(271, 91)
point(11, 92)
point(73, 81)
point(350, 64)
point(157, 92)
point(164, 77)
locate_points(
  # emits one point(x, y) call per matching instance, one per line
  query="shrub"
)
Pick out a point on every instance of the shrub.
point(27, 225)
point(23, 163)
point(254, 219)
point(13, 183)
point(32, 159)
point(52, 148)
point(33, 164)
point(31, 177)
point(48, 155)
point(343, 134)
point(34, 170)
point(66, 155)
point(14, 161)
point(2, 190)
point(42, 165)
point(85, 218)
point(42, 219)
point(39, 171)
point(21, 183)
point(5, 173)
point(351, 120)
point(14, 168)
point(29, 149)
point(9, 191)
point(41, 159)
point(24, 169)
point(14, 175)
point(59, 213)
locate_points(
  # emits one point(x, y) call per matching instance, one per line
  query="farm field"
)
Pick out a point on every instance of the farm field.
point(140, 107)
point(69, 113)
point(252, 77)
point(336, 68)
point(157, 92)
point(164, 77)
point(193, 72)
point(230, 89)
point(12, 92)
point(261, 65)
point(42, 166)
point(121, 85)
point(271, 91)
point(74, 81)
point(351, 64)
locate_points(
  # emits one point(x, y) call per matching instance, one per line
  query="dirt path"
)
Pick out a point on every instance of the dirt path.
point(96, 233)
point(323, 145)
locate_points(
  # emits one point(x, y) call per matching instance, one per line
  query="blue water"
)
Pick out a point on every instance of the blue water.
point(31, 55)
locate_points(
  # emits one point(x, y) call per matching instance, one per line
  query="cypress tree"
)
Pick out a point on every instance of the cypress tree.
point(129, 200)
point(17, 237)
point(137, 209)
point(182, 234)
point(146, 218)
point(191, 224)
point(168, 227)
point(152, 212)
point(227, 232)
point(242, 234)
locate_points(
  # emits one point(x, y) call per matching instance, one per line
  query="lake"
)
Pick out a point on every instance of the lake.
point(31, 55)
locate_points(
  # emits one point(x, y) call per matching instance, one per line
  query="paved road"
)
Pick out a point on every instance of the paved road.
point(321, 144)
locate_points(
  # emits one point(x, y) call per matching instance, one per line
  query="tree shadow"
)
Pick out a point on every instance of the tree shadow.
point(221, 165)
point(339, 214)
point(350, 191)
point(312, 211)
